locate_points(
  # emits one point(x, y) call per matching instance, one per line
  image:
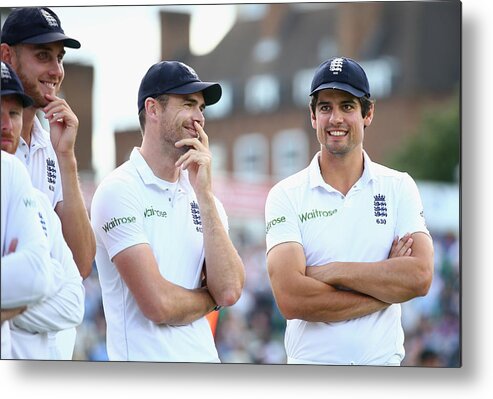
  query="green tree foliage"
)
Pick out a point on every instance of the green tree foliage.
point(433, 153)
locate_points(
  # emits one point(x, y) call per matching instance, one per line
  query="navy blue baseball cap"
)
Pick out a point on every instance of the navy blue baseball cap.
point(11, 85)
point(174, 77)
point(35, 25)
point(342, 74)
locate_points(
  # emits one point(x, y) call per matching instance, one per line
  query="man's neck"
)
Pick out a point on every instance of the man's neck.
point(161, 164)
point(27, 124)
point(341, 172)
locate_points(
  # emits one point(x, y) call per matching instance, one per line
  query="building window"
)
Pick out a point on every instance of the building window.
point(380, 72)
point(327, 47)
point(224, 106)
point(251, 157)
point(219, 157)
point(262, 94)
point(289, 152)
point(302, 82)
point(266, 50)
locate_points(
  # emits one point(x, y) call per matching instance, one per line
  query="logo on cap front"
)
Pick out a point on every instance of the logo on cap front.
point(5, 72)
point(49, 18)
point(336, 65)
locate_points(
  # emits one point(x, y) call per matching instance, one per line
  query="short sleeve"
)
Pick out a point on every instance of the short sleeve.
point(410, 213)
point(281, 223)
point(117, 216)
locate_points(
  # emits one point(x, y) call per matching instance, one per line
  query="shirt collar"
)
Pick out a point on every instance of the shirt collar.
point(39, 135)
point(316, 179)
point(149, 178)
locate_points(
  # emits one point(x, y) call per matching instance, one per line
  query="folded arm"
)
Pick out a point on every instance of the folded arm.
point(64, 309)
point(7, 314)
point(160, 300)
point(301, 297)
point(393, 280)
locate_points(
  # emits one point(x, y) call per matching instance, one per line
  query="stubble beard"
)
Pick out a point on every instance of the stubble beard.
point(336, 149)
point(32, 90)
point(168, 138)
point(12, 146)
point(339, 151)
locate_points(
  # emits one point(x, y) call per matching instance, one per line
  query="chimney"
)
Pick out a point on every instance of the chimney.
point(272, 23)
point(175, 35)
point(356, 23)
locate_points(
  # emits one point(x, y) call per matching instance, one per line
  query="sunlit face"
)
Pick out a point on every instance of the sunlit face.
point(40, 69)
point(338, 122)
point(177, 118)
point(11, 122)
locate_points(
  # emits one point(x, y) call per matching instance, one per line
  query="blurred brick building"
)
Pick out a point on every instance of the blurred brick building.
point(260, 131)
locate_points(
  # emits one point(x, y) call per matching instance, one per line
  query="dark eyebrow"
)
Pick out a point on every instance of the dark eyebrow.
point(47, 48)
point(194, 101)
point(350, 101)
point(343, 102)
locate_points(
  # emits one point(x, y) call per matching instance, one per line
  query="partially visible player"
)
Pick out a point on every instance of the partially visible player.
point(35, 332)
point(33, 43)
point(337, 271)
point(26, 270)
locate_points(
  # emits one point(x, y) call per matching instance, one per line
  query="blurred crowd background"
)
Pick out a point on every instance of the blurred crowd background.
point(260, 132)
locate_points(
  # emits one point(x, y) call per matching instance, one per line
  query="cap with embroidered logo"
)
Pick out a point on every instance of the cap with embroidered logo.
point(174, 77)
point(11, 85)
point(341, 73)
point(35, 25)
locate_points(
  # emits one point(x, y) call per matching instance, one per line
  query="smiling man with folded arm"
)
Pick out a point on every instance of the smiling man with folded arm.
point(346, 237)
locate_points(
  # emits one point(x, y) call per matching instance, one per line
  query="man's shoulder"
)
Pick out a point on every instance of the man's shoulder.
point(297, 181)
point(387, 172)
point(121, 178)
point(12, 165)
point(8, 160)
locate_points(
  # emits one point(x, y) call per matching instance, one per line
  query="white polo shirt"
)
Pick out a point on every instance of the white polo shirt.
point(132, 206)
point(47, 329)
point(42, 163)
point(26, 273)
point(358, 227)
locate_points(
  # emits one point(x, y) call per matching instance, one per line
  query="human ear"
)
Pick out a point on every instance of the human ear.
point(6, 53)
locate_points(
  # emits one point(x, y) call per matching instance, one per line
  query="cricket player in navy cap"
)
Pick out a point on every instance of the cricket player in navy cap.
point(34, 43)
point(164, 256)
point(47, 329)
point(27, 273)
point(346, 237)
